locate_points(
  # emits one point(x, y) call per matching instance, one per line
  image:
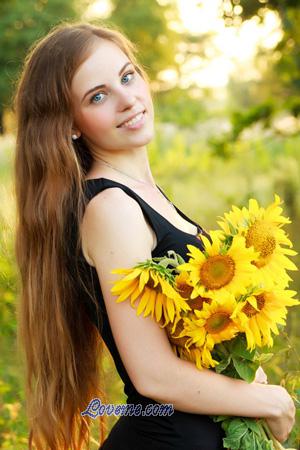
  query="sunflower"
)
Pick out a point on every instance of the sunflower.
point(184, 287)
point(262, 229)
point(211, 325)
point(158, 297)
point(260, 313)
point(219, 270)
point(200, 356)
point(173, 331)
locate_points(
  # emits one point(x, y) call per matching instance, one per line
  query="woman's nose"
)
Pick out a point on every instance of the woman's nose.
point(126, 99)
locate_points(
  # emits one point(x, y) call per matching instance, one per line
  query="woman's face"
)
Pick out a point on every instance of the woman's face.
point(106, 92)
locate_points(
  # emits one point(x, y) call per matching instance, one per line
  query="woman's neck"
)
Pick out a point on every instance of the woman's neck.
point(134, 165)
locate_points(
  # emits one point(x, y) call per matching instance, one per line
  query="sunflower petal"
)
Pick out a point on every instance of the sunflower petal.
point(158, 306)
point(151, 303)
point(144, 277)
point(125, 295)
point(143, 302)
point(171, 309)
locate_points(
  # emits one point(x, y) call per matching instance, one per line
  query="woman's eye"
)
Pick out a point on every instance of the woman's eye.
point(131, 74)
point(97, 97)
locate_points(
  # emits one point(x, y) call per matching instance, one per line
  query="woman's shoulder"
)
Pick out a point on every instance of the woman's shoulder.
point(110, 218)
point(109, 203)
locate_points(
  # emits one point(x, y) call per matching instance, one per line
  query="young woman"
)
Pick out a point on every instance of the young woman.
point(87, 203)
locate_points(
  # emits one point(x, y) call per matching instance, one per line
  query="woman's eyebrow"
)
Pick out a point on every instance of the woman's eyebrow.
point(103, 85)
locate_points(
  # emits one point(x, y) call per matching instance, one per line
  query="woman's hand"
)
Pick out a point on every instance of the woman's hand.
point(261, 376)
point(281, 424)
point(282, 421)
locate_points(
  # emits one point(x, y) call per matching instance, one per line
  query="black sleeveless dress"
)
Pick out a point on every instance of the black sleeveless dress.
point(180, 430)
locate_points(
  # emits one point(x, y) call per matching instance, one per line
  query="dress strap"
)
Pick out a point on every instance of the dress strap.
point(96, 185)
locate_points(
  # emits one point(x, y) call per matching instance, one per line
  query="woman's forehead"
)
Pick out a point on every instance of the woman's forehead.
point(103, 62)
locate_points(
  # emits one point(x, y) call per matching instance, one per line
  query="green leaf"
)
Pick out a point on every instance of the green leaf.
point(245, 369)
point(231, 443)
point(238, 347)
point(231, 227)
point(237, 428)
point(252, 425)
point(223, 364)
point(244, 433)
point(225, 424)
point(255, 440)
point(267, 445)
point(263, 357)
point(250, 442)
point(219, 418)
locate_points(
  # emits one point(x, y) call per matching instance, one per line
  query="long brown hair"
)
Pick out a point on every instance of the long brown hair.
point(62, 348)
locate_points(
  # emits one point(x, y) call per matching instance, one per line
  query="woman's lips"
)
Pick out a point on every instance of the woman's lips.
point(136, 122)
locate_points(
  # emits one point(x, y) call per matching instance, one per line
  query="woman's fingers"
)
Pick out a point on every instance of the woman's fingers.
point(261, 376)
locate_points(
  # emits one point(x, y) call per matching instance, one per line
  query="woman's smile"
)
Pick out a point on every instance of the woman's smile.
point(135, 123)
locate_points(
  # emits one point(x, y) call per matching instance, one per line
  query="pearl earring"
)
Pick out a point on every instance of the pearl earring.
point(74, 137)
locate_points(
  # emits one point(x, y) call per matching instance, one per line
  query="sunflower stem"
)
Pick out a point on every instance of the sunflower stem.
point(276, 444)
point(168, 261)
point(263, 431)
point(172, 258)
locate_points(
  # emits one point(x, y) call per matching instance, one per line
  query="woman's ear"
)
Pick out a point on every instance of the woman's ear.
point(75, 133)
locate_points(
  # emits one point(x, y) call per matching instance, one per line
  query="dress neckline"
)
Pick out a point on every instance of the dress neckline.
point(199, 229)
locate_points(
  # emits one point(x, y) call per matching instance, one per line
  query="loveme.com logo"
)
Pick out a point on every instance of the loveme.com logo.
point(96, 408)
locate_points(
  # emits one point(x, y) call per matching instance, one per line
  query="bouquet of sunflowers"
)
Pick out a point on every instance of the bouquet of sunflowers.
point(221, 308)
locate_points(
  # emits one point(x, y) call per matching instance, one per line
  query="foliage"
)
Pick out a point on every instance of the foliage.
point(21, 24)
point(246, 433)
point(258, 7)
point(282, 72)
point(242, 120)
point(155, 38)
point(178, 107)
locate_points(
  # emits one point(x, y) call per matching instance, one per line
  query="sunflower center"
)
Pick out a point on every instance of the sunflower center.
point(250, 311)
point(178, 329)
point(150, 285)
point(197, 303)
point(185, 290)
point(217, 322)
point(259, 235)
point(217, 271)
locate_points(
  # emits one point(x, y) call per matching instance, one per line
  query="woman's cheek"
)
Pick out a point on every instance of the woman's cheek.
point(96, 122)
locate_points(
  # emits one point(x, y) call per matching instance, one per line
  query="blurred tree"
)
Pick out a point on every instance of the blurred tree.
point(258, 8)
point(22, 22)
point(285, 67)
point(177, 106)
point(146, 23)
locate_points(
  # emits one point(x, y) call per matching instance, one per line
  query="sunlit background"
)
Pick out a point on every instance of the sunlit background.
point(231, 51)
point(225, 74)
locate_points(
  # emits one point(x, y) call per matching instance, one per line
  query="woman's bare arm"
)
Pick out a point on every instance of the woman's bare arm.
point(116, 235)
point(207, 392)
